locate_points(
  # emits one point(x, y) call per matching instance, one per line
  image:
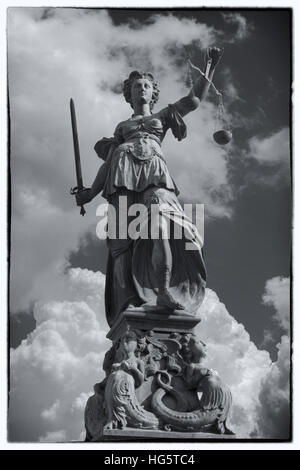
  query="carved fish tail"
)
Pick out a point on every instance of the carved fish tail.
point(192, 421)
point(141, 418)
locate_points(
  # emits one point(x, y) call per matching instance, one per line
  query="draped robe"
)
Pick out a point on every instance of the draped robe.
point(136, 168)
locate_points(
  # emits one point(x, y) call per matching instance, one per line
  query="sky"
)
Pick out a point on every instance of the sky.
point(57, 278)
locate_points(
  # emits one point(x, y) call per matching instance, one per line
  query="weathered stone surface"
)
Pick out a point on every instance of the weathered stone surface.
point(94, 415)
point(152, 319)
point(155, 381)
point(151, 435)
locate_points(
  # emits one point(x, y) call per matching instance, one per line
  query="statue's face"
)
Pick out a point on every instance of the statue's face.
point(129, 344)
point(198, 349)
point(141, 91)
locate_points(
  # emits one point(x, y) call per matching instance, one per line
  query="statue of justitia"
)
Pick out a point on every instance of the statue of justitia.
point(150, 271)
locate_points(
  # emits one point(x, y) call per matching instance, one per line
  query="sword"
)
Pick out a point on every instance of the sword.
point(79, 186)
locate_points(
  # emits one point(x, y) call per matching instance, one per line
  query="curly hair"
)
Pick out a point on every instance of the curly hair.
point(134, 76)
point(187, 343)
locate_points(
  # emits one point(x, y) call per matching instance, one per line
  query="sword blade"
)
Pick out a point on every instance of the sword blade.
point(76, 146)
point(77, 153)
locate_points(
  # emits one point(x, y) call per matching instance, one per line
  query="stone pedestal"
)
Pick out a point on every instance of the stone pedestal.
point(152, 320)
point(135, 435)
point(155, 386)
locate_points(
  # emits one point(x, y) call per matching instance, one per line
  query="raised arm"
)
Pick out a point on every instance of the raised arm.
point(201, 84)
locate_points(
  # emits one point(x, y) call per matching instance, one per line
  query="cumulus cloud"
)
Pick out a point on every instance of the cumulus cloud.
point(53, 371)
point(239, 362)
point(55, 54)
point(272, 154)
point(56, 436)
point(271, 150)
point(273, 409)
point(277, 295)
point(260, 388)
point(243, 27)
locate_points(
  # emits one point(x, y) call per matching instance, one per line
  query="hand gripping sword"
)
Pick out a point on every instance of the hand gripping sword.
point(79, 186)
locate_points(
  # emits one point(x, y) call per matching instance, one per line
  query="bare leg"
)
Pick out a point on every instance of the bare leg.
point(162, 264)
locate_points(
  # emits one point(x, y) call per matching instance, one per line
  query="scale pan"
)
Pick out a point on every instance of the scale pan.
point(222, 137)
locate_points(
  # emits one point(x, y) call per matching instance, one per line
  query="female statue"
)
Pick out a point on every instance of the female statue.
point(157, 270)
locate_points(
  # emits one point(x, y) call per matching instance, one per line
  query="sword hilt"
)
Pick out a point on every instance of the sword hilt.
point(75, 191)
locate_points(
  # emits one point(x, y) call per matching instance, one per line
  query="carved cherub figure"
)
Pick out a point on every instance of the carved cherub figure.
point(128, 361)
point(193, 353)
point(127, 374)
point(215, 393)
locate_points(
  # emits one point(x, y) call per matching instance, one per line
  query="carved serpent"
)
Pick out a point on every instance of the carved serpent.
point(194, 420)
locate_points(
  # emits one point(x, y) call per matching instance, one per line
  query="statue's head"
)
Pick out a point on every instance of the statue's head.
point(198, 348)
point(129, 341)
point(142, 86)
point(193, 349)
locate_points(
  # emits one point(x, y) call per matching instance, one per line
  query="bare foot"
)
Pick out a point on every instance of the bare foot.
point(164, 299)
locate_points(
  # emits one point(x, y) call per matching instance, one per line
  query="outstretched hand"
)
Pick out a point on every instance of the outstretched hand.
point(212, 53)
point(215, 54)
point(83, 197)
